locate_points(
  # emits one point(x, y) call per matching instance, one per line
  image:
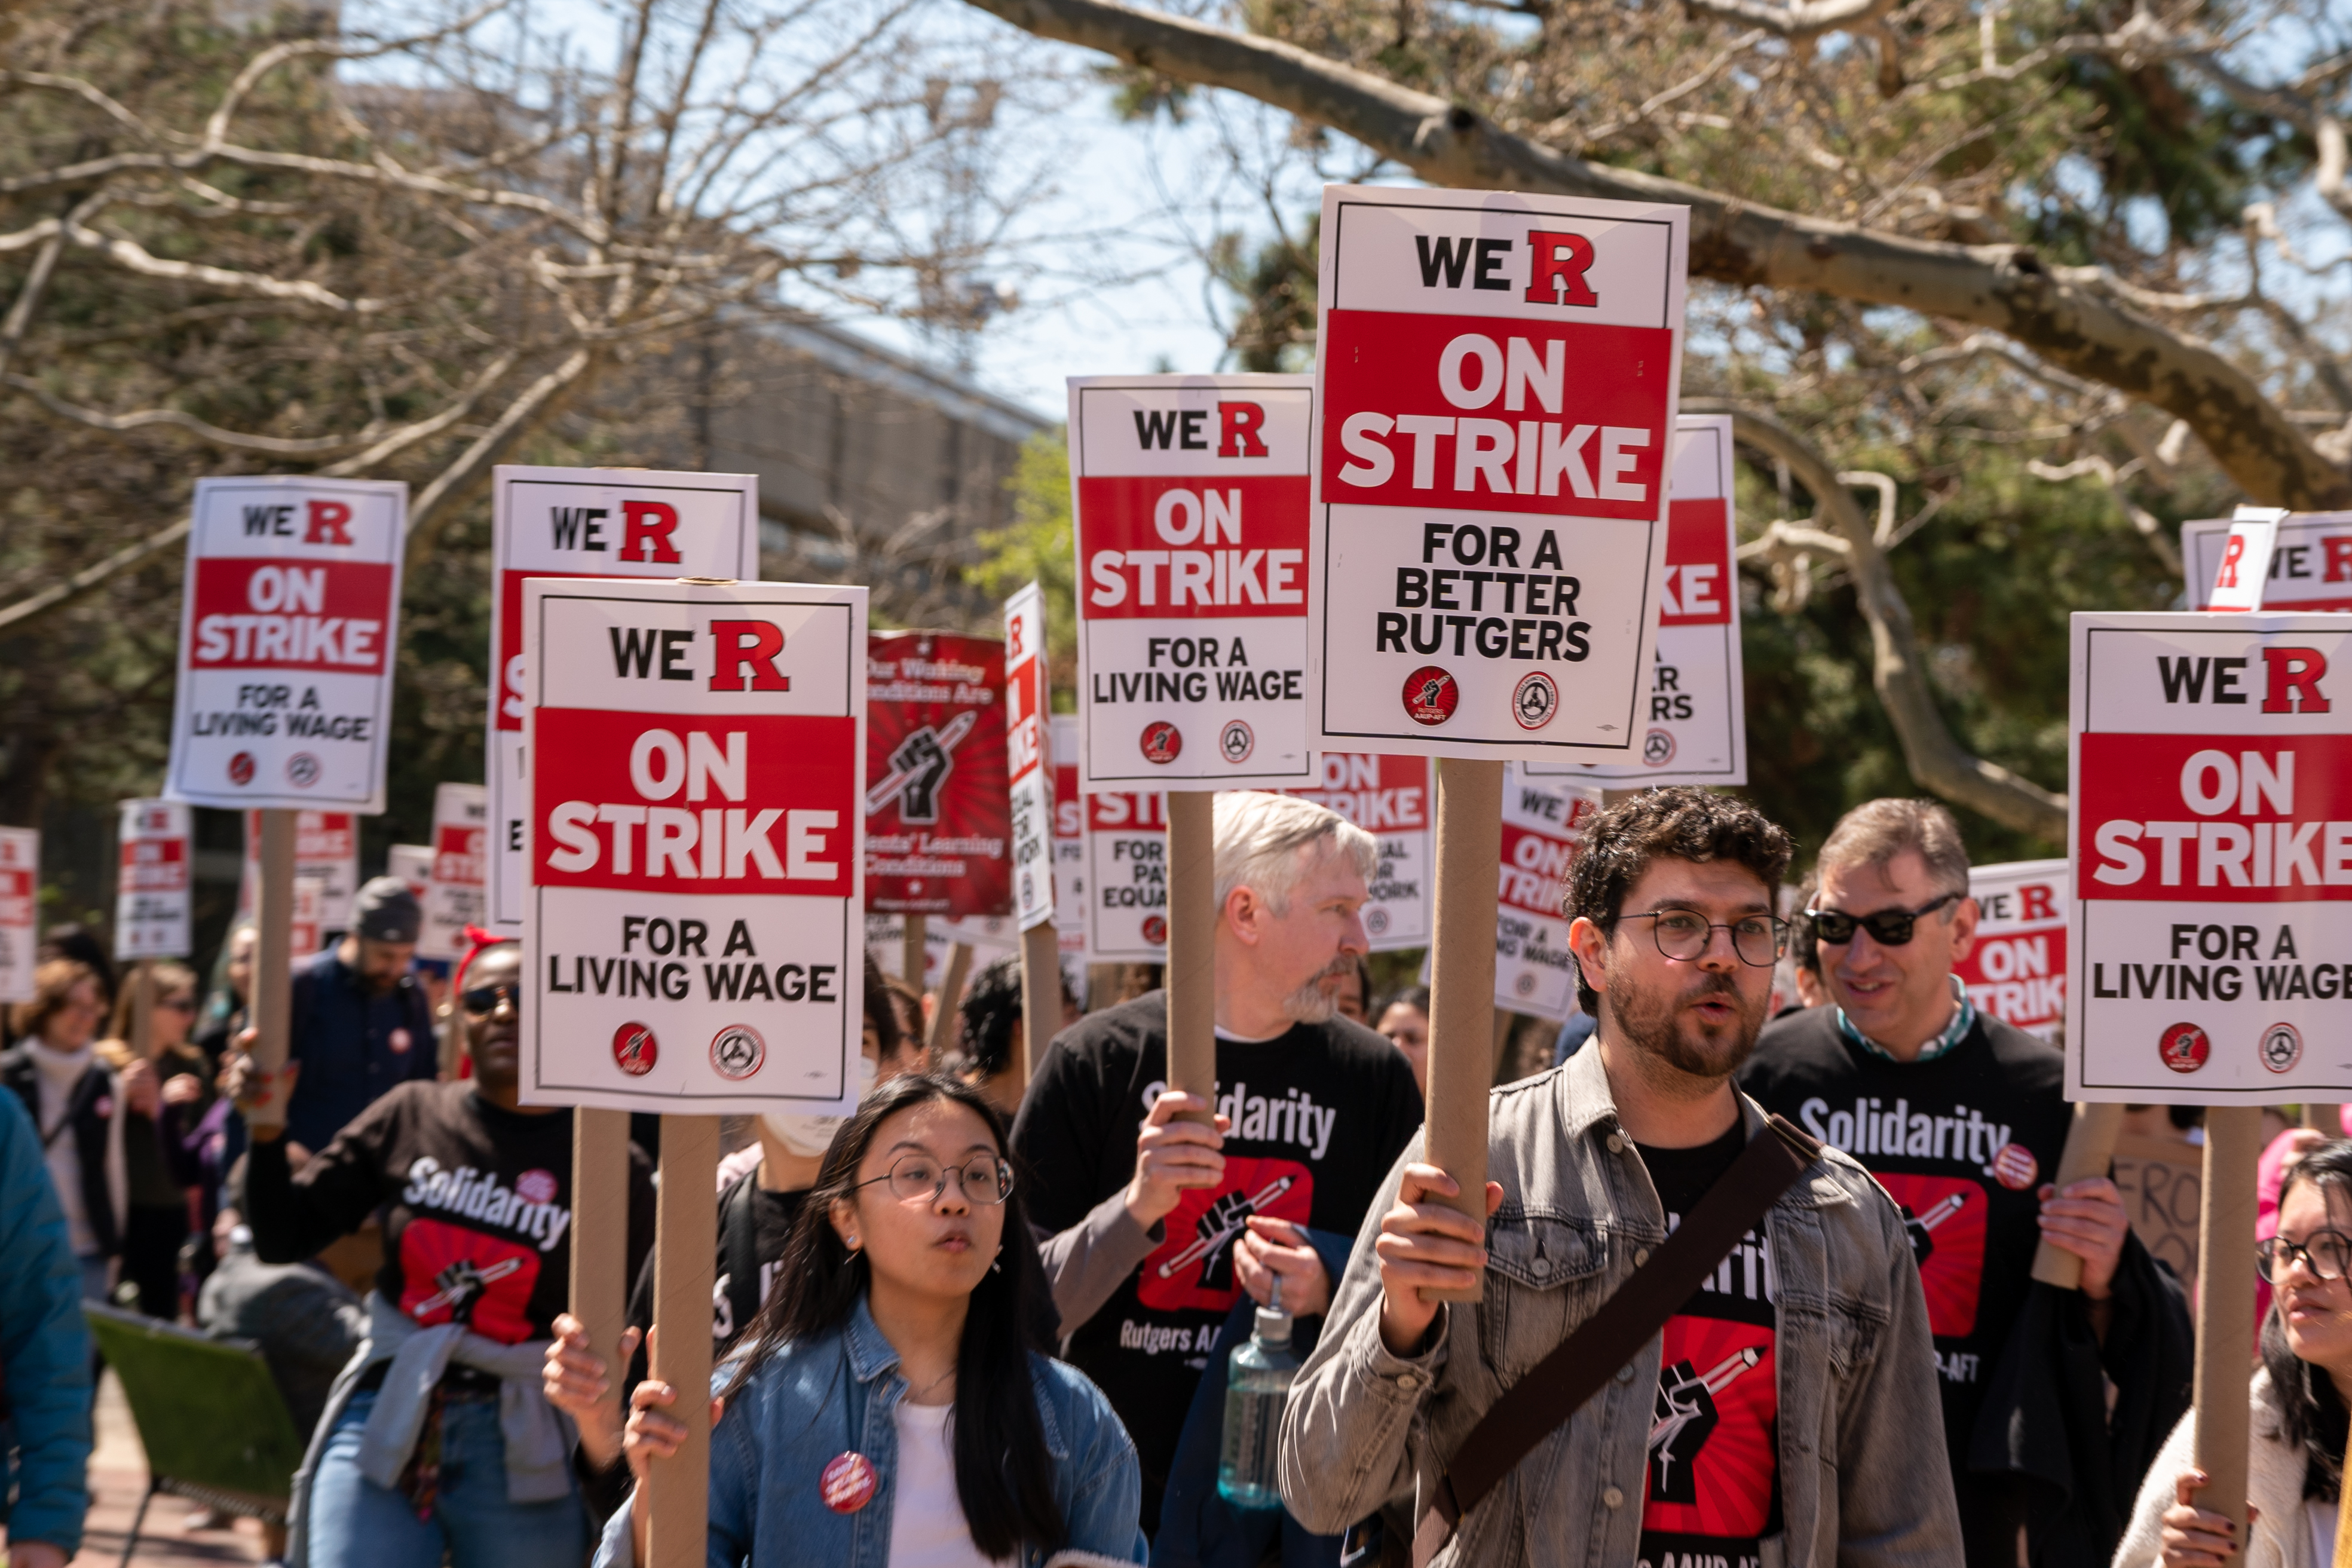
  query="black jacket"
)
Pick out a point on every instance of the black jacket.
point(87, 1110)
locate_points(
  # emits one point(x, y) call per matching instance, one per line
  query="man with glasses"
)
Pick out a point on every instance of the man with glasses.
point(1784, 1414)
point(1962, 1119)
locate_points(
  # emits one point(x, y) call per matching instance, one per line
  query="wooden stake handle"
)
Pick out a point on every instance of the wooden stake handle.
point(1462, 981)
point(2090, 1149)
point(943, 1013)
point(2225, 1310)
point(685, 1247)
point(599, 1236)
point(273, 926)
point(1192, 945)
point(912, 959)
point(1040, 998)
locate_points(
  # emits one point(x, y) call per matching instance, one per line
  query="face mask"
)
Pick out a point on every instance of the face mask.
point(810, 1136)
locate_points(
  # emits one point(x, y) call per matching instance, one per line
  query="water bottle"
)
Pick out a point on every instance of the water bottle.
point(1257, 1386)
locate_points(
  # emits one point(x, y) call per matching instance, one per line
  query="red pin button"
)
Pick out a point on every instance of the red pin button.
point(847, 1483)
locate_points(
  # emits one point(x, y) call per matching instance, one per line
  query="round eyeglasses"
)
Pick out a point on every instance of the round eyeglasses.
point(2324, 1252)
point(1758, 940)
point(920, 1178)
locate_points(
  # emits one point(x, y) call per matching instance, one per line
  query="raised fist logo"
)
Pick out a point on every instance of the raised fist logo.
point(1685, 1418)
point(925, 765)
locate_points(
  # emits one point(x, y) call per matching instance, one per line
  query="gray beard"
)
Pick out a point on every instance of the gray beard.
point(1309, 1004)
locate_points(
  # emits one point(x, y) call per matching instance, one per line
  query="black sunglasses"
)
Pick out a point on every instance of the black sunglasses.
point(483, 1000)
point(1887, 928)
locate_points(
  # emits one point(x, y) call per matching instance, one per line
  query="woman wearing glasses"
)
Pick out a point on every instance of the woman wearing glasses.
point(436, 1440)
point(167, 1087)
point(2295, 1457)
point(900, 1406)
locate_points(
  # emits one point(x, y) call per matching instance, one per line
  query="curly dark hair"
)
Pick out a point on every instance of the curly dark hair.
point(1676, 823)
point(2311, 1413)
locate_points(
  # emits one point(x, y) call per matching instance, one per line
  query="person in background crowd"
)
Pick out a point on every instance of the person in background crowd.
point(901, 1405)
point(989, 1030)
point(1351, 991)
point(360, 1025)
point(224, 1017)
point(437, 1439)
point(45, 1359)
point(1752, 1424)
point(1962, 1118)
point(167, 1087)
point(306, 1321)
point(2300, 1399)
point(1178, 1222)
point(758, 1206)
point(77, 1104)
point(1804, 960)
point(76, 941)
point(908, 1005)
point(1404, 1023)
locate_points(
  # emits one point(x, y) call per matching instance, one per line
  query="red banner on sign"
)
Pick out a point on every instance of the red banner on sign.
point(2216, 818)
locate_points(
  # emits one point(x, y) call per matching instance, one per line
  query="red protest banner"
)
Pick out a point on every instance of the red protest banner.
point(938, 827)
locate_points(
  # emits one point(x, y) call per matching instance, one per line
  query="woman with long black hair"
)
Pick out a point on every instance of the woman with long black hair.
point(898, 1406)
point(2294, 1473)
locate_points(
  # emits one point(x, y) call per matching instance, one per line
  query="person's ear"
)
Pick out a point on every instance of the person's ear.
point(842, 1215)
point(1964, 929)
point(1586, 941)
point(1245, 912)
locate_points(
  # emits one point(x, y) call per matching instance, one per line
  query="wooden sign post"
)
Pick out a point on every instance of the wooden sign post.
point(914, 955)
point(273, 977)
point(950, 997)
point(2090, 1149)
point(1041, 997)
point(1462, 978)
point(686, 1249)
point(1192, 945)
point(600, 1253)
point(2225, 1309)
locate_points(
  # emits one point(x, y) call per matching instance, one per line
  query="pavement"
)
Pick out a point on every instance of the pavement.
point(118, 1479)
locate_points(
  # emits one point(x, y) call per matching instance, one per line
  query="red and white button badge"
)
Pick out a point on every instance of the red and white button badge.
point(847, 1482)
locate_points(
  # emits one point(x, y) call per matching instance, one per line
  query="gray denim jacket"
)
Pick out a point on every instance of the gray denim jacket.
point(1863, 1480)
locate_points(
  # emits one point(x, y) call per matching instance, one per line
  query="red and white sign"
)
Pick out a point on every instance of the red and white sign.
point(287, 622)
point(2017, 970)
point(326, 851)
point(152, 884)
point(1069, 854)
point(2211, 836)
point(412, 865)
point(1543, 821)
point(20, 890)
point(590, 522)
point(1394, 799)
point(1695, 726)
point(307, 930)
point(938, 841)
point(1029, 757)
point(1498, 375)
point(1190, 503)
point(2307, 564)
point(454, 892)
point(1127, 878)
point(693, 844)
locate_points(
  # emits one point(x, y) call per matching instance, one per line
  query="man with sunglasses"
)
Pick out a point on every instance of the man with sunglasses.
point(1962, 1119)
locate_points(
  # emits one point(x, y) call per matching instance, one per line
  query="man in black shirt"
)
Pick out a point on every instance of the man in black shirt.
point(1171, 1226)
point(1960, 1116)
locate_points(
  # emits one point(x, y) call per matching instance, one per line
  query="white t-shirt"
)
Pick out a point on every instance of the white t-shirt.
point(2321, 1517)
point(926, 1527)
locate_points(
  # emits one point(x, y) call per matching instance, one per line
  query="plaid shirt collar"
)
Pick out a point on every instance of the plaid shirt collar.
point(1964, 1018)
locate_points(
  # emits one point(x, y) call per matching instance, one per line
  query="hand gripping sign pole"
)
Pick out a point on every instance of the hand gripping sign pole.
point(693, 856)
point(1488, 550)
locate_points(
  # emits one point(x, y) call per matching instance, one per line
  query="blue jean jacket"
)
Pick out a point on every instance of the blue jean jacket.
point(819, 1398)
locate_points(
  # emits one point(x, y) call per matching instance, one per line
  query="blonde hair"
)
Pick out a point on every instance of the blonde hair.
point(166, 975)
point(1260, 835)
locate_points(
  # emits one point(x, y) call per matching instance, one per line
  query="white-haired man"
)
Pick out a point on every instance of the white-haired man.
point(1311, 1110)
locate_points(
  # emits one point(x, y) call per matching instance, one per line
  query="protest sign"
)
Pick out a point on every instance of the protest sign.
point(695, 865)
point(1190, 512)
point(1126, 877)
point(990, 938)
point(1498, 374)
point(2162, 1184)
point(326, 851)
point(2211, 836)
point(1029, 757)
point(152, 882)
point(1696, 709)
point(590, 522)
point(412, 865)
point(1069, 854)
point(1543, 820)
point(2307, 564)
point(288, 620)
point(1394, 799)
point(2016, 970)
point(20, 888)
point(454, 896)
point(309, 921)
point(937, 837)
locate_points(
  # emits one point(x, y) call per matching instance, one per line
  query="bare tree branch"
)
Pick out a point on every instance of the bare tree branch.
point(22, 615)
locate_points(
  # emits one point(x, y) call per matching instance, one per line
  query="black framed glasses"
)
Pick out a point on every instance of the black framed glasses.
point(2326, 1253)
point(1758, 940)
point(1887, 928)
point(483, 1000)
point(918, 1178)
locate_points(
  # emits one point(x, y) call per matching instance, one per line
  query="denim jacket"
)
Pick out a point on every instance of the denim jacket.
point(1864, 1482)
point(819, 1398)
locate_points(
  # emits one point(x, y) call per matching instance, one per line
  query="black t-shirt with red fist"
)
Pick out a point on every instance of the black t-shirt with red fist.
point(1319, 1114)
point(1963, 1143)
point(477, 1202)
point(1712, 1491)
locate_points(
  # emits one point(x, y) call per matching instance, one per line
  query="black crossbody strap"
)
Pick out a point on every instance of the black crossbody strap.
point(1557, 1385)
